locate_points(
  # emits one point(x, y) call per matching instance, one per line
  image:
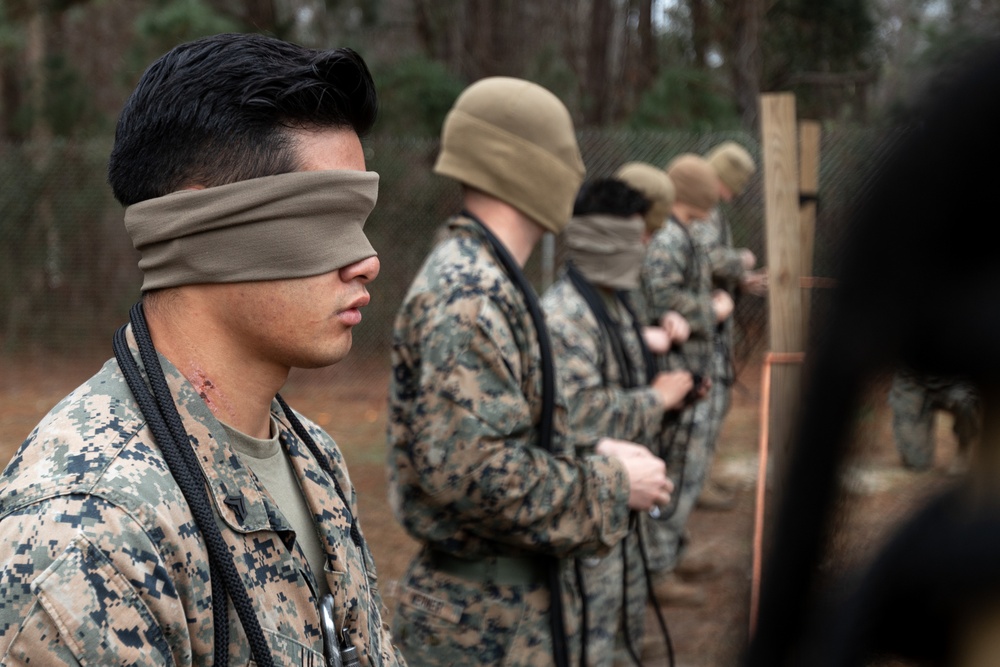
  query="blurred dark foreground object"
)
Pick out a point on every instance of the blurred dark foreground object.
point(920, 287)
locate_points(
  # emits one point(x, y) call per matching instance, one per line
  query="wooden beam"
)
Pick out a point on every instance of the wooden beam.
point(779, 143)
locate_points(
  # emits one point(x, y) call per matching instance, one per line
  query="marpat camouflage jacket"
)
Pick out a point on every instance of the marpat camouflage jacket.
point(676, 276)
point(101, 562)
point(466, 473)
point(594, 386)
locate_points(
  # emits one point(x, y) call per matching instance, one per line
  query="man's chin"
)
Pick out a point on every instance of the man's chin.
point(324, 358)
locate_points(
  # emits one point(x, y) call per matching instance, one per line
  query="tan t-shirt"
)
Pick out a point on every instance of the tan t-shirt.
point(270, 463)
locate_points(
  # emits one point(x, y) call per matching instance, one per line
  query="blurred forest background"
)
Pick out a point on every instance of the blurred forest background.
point(644, 79)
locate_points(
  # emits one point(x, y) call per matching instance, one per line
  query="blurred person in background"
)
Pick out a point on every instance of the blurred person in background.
point(732, 272)
point(173, 510)
point(483, 470)
point(677, 287)
point(915, 400)
point(610, 380)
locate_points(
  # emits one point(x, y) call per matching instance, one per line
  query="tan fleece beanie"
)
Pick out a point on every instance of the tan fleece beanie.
point(655, 185)
point(733, 165)
point(695, 181)
point(514, 140)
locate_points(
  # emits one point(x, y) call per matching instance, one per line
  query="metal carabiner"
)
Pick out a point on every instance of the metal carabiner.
point(349, 652)
point(331, 647)
point(338, 653)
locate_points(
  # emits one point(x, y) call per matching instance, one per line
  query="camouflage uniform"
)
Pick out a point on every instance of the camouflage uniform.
point(467, 477)
point(599, 404)
point(714, 239)
point(914, 399)
point(675, 276)
point(101, 562)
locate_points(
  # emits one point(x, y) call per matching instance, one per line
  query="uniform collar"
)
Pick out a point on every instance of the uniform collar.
point(238, 498)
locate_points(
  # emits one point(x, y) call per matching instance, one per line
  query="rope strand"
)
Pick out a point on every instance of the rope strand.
point(560, 650)
point(171, 434)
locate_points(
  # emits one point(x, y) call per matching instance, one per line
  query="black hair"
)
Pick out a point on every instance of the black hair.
point(609, 196)
point(216, 110)
point(919, 287)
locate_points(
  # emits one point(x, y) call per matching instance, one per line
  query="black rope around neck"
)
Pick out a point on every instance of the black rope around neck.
point(324, 463)
point(560, 650)
point(173, 440)
point(516, 275)
point(609, 328)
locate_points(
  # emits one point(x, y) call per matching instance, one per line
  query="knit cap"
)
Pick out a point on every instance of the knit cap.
point(514, 140)
point(732, 164)
point(655, 185)
point(695, 181)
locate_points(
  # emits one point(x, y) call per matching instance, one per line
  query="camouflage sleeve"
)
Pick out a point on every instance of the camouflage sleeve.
point(71, 600)
point(726, 262)
point(598, 408)
point(727, 265)
point(473, 450)
point(663, 281)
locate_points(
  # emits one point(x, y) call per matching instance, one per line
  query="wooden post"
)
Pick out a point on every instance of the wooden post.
point(809, 190)
point(779, 143)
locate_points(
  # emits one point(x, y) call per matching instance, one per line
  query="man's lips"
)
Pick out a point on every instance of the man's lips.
point(352, 314)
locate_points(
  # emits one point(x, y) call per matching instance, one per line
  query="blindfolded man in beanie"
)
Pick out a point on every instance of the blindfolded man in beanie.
point(677, 284)
point(732, 271)
point(173, 510)
point(610, 380)
point(482, 471)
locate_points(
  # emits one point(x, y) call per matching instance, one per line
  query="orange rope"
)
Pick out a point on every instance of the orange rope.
point(758, 527)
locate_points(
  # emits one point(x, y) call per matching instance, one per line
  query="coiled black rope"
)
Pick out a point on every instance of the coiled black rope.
point(560, 650)
point(168, 430)
point(188, 487)
point(608, 327)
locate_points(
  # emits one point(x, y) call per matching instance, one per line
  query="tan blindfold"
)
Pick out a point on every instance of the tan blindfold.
point(288, 226)
point(607, 250)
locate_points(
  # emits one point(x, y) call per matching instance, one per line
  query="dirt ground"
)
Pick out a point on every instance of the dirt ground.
point(350, 403)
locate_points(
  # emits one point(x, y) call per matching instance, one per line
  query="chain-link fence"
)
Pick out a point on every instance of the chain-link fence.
point(68, 272)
